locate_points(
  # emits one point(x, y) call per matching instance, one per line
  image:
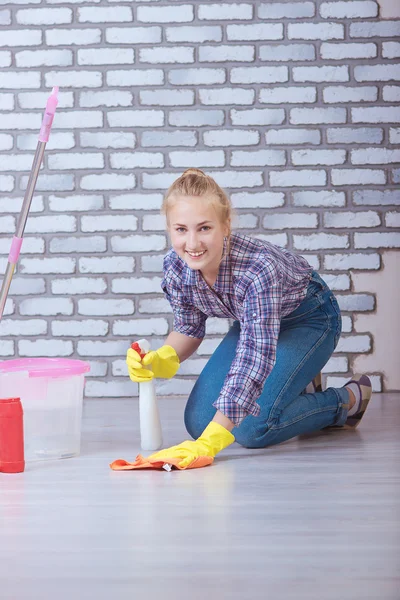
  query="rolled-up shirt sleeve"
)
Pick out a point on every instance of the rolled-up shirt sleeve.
point(256, 350)
point(188, 319)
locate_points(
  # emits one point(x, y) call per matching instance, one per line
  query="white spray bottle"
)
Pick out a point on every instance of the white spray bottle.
point(149, 417)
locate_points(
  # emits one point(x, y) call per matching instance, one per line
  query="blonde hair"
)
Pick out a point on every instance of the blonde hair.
point(194, 182)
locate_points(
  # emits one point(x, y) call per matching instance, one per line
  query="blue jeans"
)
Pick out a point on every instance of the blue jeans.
point(307, 338)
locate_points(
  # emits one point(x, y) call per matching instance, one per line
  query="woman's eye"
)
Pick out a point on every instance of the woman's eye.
point(205, 228)
point(180, 229)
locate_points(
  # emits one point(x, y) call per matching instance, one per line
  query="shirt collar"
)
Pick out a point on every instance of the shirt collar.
point(222, 283)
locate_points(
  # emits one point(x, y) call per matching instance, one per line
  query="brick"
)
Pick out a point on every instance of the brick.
point(196, 118)
point(21, 286)
point(193, 366)
point(376, 197)
point(258, 116)
point(82, 203)
point(58, 141)
point(319, 74)
point(231, 137)
point(352, 219)
point(324, 198)
point(78, 328)
point(135, 118)
point(106, 56)
point(44, 16)
point(288, 95)
point(154, 305)
point(394, 135)
point(391, 93)
point(74, 119)
point(297, 178)
point(358, 344)
point(151, 264)
point(51, 224)
point(258, 158)
point(249, 33)
point(138, 243)
point(97, 369)
point(166, 55)
point(53, 348)
point(39, 99)
point(78, 244)
point(226, 96)
point(24, 80)
point(133, 160)
point(7, 183)
point(374, 156)
point(244, 221)
point(304, 116)
point(153, 223)
point(315, 31)
point(196, 76)
point(109, 264)
point(377, 73)
point(290, 221)
point(200, 158)
point(336, 364)
point(291, 10)
point(79, 79)
point(135, 77)
point(391, 49)
point(318, 157)
point(5, 59)
point(356, 302)
point(31, 245)
point(108, 139)
point(14, 205)
point(47, 265)
point(167, 97)
point(348, 10)
point(224, 53)
point(259, 74)
point(5, 17)
point(283, 53)
point(79, 285)
point(6, 102)
point(96, 348)
point(105, 14)
point(347, 135)
point(133, 35)
point(341, 93)
point(337, 282)
point(109, 223)
point(193, 34)
point(141, 327)
point(105, 307)
point(348, 50)
point(6, 141)
point(77, 160)
point(279, 239)
point(293, 136)
point(396, 175)
point(377, 240)
point(320, 241)
point(257, 199)
point(24, 327)
point(46, 307)
point(136, 285)
point(25, 37)
point(165, 14)
point(357, 176)
point(225, 12)
point(138, 201)
point(392, 219)
point(377, 29)
point(209, 346)
point(43, 58)
point(72, 37)
point(108, 181)
point(15, 162)
point(163, 139)
point(344, 262)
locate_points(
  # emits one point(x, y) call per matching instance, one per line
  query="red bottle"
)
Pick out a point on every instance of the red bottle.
point(11, 436)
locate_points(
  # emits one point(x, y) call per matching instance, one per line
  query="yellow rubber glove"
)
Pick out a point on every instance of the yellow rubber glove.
point(135, 369)
point(164, 362)
point(213, 439)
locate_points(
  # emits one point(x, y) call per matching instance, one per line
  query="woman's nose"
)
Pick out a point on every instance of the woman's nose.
point(192, 240)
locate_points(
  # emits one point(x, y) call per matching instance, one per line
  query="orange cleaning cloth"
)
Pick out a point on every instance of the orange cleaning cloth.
point(151, 463)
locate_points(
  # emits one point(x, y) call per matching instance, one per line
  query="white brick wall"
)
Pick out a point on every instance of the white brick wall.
point(293, 106)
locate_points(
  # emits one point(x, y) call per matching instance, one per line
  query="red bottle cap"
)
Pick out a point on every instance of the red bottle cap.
point(135, 346)
point(11, 436)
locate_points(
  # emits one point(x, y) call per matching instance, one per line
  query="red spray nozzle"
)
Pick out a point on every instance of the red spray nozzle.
point(135, 346)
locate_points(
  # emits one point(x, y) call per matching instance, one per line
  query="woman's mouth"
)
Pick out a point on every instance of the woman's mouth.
point(196, 255)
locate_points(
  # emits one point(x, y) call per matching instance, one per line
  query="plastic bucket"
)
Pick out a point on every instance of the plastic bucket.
point(51, 392)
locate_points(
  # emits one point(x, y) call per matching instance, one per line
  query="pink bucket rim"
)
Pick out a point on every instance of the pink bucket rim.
point(45, 367)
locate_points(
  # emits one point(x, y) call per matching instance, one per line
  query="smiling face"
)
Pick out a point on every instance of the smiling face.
point(197, 234)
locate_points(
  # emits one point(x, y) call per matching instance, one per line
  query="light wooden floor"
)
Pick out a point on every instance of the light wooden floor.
point(313, 518)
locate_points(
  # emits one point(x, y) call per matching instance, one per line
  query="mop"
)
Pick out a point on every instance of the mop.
point(37, 161)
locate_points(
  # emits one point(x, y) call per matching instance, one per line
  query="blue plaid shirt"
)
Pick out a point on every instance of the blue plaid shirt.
point(257, 284)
